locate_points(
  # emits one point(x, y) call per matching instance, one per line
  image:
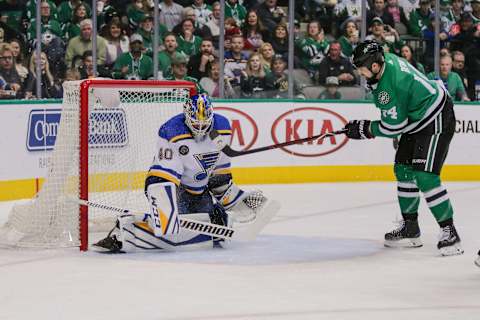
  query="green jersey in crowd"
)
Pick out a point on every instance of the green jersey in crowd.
point(137, 69)
point(453, 83)
point(408, 100)
point(198, 87)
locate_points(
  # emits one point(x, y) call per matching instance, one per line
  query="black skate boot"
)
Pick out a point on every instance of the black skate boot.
point(407, 235)
point(477, 261)
point(110, 244)
point(449, 241)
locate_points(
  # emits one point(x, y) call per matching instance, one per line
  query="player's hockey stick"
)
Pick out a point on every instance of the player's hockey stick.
point(247, 233)
point(225, 148)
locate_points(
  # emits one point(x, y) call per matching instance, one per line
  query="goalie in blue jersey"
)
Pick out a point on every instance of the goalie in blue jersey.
point(191, 177)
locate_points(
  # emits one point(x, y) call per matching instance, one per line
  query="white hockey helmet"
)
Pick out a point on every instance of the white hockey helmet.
point(198, 114)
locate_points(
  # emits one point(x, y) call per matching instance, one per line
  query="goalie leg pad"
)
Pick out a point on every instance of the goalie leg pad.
point(164, 210)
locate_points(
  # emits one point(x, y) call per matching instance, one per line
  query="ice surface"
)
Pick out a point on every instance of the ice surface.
point(321, 258)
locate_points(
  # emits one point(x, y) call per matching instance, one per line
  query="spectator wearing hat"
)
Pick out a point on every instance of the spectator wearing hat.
point(200, 63)
point(313, 48)
point(179, 72)
point(420, 18)
point(380, 10)
point(450, 79)
point(468, 42)
point(171, 14)
point(83, 42)
point(337, 66)
point(331, 91)
point(385, 35)
point(134, 65)
point(146, 30)
point(280, 80)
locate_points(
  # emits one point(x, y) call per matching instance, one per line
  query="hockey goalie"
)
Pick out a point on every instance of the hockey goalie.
point(189, 177)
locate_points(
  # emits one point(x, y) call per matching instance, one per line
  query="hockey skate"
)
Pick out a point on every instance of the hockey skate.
point(110, 244)
point(477, 261)
point(407, 235)
point(449, 241)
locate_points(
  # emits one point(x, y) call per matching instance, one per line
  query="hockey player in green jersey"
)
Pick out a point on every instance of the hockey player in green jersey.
point(420, 111)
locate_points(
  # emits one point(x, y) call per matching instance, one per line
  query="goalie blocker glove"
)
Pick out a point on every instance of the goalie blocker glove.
point(358, 130)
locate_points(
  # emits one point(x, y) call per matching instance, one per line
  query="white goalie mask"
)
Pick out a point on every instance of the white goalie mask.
point(198, 114)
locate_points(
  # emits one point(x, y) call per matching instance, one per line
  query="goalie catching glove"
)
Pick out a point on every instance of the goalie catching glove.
point(241, 206)
point(358, 130)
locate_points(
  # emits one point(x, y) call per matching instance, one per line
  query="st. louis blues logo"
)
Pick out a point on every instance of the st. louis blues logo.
point(207, 163)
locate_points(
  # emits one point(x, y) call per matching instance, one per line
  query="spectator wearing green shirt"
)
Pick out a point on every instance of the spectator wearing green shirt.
point(407, 53)
point(72, 27)
point(188, 42)
point(134, 65)
point(67, 8)
point(349, 39)
point(451, 80)
point(420, 18)
point(313, 47)
point(179, 72)
point(165, 56)
point(146, 31)
point(236, 11)
point(48, 23)
point(11, 13)
point(331, 92)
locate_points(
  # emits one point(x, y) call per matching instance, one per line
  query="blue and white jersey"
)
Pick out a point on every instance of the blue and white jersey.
point(184, 160)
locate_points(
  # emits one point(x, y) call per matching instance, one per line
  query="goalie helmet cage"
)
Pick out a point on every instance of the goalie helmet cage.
point(105, 144)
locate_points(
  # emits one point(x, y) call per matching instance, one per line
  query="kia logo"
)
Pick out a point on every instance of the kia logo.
point(244, 128)
point(307, 122)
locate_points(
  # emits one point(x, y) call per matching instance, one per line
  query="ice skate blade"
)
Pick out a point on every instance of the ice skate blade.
point(404, 243)
point(452, 250)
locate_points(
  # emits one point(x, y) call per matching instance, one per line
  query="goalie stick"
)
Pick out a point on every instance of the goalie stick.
point(225, 148)
point(247, 233)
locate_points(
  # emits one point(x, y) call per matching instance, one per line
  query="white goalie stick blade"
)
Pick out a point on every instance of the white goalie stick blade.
point(248, 231)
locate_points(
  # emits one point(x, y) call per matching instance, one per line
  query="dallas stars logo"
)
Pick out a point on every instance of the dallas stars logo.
point(383, 97)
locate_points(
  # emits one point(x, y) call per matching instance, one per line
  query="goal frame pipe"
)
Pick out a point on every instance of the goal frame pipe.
point(84, 109)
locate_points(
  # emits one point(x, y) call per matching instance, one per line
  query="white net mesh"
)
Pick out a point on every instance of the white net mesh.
point(123, 126)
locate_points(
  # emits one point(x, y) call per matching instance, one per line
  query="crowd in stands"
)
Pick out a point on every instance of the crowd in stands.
point(256, 44)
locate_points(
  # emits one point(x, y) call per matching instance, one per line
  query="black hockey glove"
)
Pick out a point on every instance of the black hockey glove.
point(358, 129)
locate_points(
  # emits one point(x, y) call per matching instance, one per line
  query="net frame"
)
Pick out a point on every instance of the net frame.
point(78, 107)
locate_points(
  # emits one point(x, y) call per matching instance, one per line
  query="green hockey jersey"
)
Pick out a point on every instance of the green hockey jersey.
point(408, 101)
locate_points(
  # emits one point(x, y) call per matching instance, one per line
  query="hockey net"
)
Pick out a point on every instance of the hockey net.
point(105, 144)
